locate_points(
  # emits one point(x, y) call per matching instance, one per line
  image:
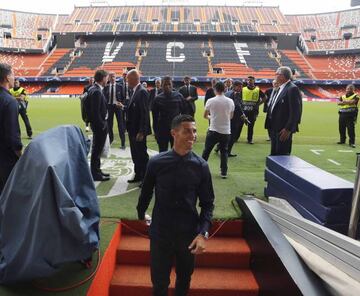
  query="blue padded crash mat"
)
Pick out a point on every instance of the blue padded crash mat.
point(327, 189)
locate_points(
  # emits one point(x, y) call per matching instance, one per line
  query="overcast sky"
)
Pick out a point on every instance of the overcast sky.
point(286, 6)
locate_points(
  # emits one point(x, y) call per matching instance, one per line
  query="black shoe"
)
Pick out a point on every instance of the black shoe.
point(123, 147)
point(141, 184)
point(216, 150)
point(250, 142)
point(105, 174)
point(340, 143)
point(135, 180)
point(101, 178)
point(352, 145)
point(223, 175)
point(232, 155)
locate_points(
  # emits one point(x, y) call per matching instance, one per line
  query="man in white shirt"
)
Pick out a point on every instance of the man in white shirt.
point(219, 110)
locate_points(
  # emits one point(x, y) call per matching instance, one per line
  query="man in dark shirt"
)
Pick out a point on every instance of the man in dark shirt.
point(86, 89)
point(210, 93)
point(166, 106)
point(10, 141)
point(154, 92)
point(180, 178)
point(98, 121)
point(190, 94)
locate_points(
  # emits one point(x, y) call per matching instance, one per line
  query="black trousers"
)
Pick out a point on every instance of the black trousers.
point(164, 139)
point(25, 118)
point(113, 110)
point(99, 138)
point(162, 255)
point(347, 121)
point(235, 132)
point(212, 138)
point(278, 147)
point(252, 118)
point(139, 155)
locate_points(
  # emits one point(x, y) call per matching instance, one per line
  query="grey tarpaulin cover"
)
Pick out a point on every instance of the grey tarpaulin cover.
point(49, 212)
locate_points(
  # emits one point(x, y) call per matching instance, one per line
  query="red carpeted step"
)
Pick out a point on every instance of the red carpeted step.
point(227, 252)
point(134, 280)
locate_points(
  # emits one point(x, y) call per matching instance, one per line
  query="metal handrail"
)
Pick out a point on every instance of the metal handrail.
point(355, 206)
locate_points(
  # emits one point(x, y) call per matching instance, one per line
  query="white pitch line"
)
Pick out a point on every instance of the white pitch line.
point(352, 151)
point(333, 161)
point(316, 151)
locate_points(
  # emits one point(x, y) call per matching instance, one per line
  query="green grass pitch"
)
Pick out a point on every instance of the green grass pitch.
point(318, 131)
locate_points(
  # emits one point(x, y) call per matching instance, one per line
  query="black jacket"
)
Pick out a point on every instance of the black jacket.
point(209, 94)
point(97, 108)
point(10, 139)
point(152, 97)
point(193, 94)
point(138, 119)
point(238, 111)
point(286, 112)
point(165, 108)
point(118, 93)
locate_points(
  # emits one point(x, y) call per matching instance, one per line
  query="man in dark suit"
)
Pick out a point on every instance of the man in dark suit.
point(190, 94)
point(283, 115)
point(86, 89)
point(10, 141)
point(166, 106)
point(138, 124)
point(155, 92)
point(97, 113)
point(239, 116)
point(269, 93)
point(114, 94)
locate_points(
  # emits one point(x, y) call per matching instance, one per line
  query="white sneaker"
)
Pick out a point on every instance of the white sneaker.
point(87, 129)
point(223, 176)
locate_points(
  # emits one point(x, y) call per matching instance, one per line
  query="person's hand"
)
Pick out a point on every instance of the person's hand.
point(120, 105)
point(188, 98)
point(139, 137)
point(284, 135)
point(197, 246)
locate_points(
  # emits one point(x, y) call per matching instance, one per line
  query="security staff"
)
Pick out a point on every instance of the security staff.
point(252, 97)
point(166, 106)
point(20, 95)
point(181, 180)
point(10, 141)
point(347, 115)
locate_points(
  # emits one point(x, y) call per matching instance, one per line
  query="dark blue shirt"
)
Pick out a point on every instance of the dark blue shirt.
point(179, 182)
point(10, 140)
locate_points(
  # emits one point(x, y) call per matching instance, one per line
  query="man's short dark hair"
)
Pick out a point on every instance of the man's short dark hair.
point(100, 75)
point(251, 77)
point(219, 87)
point(237, 83)
point(5, 70)
point(166, 79)
point(179, 119)
point(187, 78)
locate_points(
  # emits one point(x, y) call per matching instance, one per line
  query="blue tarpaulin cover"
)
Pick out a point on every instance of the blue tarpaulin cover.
point(49, 212)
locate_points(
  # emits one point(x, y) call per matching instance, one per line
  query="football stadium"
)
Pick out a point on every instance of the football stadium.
point(232, 167)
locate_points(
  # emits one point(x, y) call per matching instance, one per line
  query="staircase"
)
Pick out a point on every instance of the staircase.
point(56, 55)
point(223, 270)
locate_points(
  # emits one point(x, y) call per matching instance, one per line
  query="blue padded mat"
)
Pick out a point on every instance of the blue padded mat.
point(341, 228)
point(327, 189)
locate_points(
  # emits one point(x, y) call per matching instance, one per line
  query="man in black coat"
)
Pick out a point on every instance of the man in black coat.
point(190, 94)
point(114, 94)
point(10, 140)
point(210, 93)
point(86, 89)
point(155, 92)
point(239, 116)
point(138, 124)
point(97, 113)
point(284, 113)
point(166, 106)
